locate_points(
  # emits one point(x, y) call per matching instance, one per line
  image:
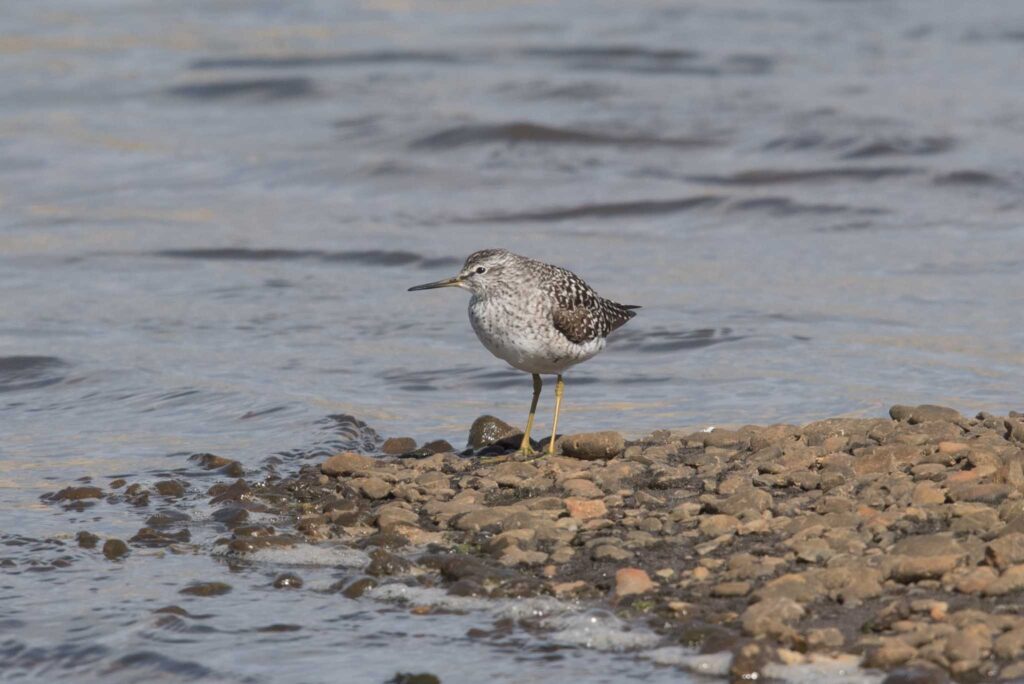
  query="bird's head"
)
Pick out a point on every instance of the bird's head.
point(482, 270)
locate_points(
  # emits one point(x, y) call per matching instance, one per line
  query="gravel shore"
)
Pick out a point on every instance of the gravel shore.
point(893, 544)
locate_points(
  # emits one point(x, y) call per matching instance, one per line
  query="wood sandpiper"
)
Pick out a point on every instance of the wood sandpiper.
point(541, 319)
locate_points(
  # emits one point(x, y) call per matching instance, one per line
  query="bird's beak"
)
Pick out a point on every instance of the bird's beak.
point(447, 282)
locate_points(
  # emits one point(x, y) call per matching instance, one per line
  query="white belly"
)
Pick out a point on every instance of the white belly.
point(525, 339)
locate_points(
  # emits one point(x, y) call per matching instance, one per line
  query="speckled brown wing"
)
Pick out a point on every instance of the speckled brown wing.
point(580, 314)
point(575, 324)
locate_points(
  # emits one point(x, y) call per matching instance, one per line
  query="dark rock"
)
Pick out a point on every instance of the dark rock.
point(488, 430)
point(385, 539)
point(438, 446)
point(383, 563)
point(359, 587)
point(232, 516)
point(989, 493)
point(410, 678)
point(213, 462)
point(114, 549)
point(924, 413)
point(75, 494)
point(147, 536)
point(206, 589)
point(167, 519)
point(170, 488)
point(238, 490)
point(393, 446)
point(287, 580)
point(87, 540)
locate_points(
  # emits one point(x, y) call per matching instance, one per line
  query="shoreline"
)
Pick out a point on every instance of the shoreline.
point(872, 545)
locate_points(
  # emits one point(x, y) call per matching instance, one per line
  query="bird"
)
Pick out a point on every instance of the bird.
point(539, 318)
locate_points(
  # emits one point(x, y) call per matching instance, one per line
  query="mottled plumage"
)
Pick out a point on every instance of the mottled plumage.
point(540, 318)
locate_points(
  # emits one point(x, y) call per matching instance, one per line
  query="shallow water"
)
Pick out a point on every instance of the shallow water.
point(210, 212)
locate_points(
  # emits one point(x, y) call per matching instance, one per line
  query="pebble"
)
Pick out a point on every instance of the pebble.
point(115, 549)
point(585, 509)
point(206, 589)
point(593, 446)
point(630, 581)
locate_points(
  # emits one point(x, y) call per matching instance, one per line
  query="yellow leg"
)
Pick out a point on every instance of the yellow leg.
point(559, 390)
point(525, 447)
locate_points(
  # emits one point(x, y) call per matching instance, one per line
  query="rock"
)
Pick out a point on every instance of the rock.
point(170, 488)
point(227, 466)
point(346, 463)
point(771, 617)
point(87, 540)
point(414, 678)
point(924, 557)
point(730, 589)
point(579, 487)
point(359, 587)
point(828, 637)
point(1012, 580)
point(630, 581)
point(395, 446)
point(384, 563)
point(745, 504)
point(287, 580)
point(593, 446)
point(206, 589)
point(990, 493)
point(917, 675)
point(610, 552)
point(585, 509)
point(371, 487)
point(717, 525)
point(924, 413)
point(973, 643)
point(1009, 645)
point(890, 653)
point(1006, 550)
point(115, 549)
point(927, 494)
point(75, 494)
point(975, 580)
point(438, 446)
point(488, 430)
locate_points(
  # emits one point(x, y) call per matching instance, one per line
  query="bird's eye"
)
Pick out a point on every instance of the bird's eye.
point(481, 269)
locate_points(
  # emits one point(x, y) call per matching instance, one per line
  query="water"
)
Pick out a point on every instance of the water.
point(210, 212)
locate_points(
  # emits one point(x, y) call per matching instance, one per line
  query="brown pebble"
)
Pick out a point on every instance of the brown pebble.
point(206, 589)
point(87, 540)
point(395, 446)
point(585, 509)
point(629, 581)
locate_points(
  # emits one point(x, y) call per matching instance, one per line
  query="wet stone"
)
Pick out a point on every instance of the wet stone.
point(487, 430)
point(359, 587)
point(115, 549)
point(75, 494)
point(287, 580)
point(394, 446)
point(384, 563)
point(226, 466)
point(924, 413)
point(87, 540)
point(170, 488)
point(232, 516)
point(205, 589)
point(238, 490)
point(147, 536)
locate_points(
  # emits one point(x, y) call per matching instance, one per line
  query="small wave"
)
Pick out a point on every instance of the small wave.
point(652, 61)
point(778, 177)
point(370, 257)
point(969, 178)
point(784, 206)
point(660, 341)
point(29, 372)
point(305, 61)
point(605, 210)
point(260, 88)
point(525, 132)
point(863, 147)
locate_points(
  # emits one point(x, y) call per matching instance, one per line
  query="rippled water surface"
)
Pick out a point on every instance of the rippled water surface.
point(210, 212)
